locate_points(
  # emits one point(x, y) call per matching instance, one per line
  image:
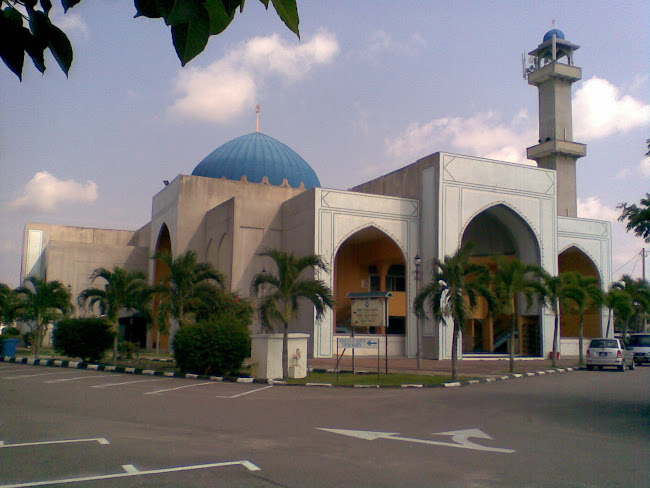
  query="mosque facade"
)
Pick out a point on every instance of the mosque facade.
point(254, 192)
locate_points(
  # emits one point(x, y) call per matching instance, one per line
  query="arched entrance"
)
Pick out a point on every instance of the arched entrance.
point(161, 273)
point(574, 259)
point(370, 260)
point(499, 231)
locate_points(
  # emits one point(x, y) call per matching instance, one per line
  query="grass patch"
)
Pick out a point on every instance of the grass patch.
point(391, 379)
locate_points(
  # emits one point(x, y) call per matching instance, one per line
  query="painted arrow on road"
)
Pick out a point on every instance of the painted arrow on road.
point(460, 438)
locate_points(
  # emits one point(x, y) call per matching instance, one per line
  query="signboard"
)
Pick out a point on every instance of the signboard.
point(357, 342)
point(367, 313)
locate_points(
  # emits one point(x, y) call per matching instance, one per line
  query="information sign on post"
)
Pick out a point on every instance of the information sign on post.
point(368, 313)
point(367, 310)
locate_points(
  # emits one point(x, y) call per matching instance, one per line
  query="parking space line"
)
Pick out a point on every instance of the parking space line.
point(128, 383)
point(177, 388)
point(87, 377)
point(31, 375)
point(100, 440)
point(245, 393)
point(132, 471)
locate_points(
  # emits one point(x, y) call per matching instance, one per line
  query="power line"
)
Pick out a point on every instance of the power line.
point(636, 256)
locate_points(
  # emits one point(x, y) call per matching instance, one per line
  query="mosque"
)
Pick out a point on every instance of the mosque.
point(255, 192)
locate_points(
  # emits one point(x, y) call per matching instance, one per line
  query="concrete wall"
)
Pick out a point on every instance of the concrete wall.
point(70, 254)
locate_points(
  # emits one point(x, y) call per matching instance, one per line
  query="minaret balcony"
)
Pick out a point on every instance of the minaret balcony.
point(555, 70)
point(554, 146)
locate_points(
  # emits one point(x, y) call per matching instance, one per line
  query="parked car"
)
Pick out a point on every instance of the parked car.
point(640, 344)
point(609, 352)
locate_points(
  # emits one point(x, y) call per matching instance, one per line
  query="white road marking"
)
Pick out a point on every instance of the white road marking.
point(247, 464)
point(129, 468)
point(87, 377)
point(245, 393)
point(177, 388)
point(101, 440)
point(29, 375)
point(126, 383)
point(460, 438)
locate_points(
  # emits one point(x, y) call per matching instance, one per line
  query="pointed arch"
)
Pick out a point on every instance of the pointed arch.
point(369, 259)
point(161, 272)
point(499, 230)
point(575, 258)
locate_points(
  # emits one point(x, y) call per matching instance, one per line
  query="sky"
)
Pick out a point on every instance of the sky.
point(370, 87)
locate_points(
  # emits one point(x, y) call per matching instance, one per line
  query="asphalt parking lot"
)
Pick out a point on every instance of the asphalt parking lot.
point(91, 428)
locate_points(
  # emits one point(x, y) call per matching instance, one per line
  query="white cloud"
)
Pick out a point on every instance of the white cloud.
point(72, 23)
point(592, 208)
point(44, 192)
point(483, 134)
point(600, 109)
point(644, 167)
point(228, 86)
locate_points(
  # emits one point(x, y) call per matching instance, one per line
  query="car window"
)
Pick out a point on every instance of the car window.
point(640, 340)
point(604, 343)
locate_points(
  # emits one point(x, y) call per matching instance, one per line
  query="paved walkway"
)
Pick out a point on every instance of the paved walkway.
point(466, 367)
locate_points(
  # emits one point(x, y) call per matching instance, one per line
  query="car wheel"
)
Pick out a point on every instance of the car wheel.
point(590, 367)
point(622, 366)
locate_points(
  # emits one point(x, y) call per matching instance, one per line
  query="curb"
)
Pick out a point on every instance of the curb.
point(62, 363)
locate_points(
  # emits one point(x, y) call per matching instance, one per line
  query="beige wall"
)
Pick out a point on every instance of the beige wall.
point(70, 254)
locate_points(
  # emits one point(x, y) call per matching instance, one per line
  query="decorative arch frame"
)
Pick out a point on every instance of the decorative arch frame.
point(510, 207)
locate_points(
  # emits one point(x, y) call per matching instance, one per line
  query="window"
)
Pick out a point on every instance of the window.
point(396, 278)
point(375, 282)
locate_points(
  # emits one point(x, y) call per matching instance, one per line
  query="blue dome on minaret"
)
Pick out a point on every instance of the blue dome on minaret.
point(255, 156)
point(553, 32)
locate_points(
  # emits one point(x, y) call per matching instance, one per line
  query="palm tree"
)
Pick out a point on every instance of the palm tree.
point(618, 303)
point(120, 292)
point(550, 290)
point(638, 293)
point(582, 292)
point(281, 299)
point(189, 283)
point(43, 301)
point(453, 292)
point(512, 278)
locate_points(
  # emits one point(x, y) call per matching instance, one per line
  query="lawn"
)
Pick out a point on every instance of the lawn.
point(390, 379)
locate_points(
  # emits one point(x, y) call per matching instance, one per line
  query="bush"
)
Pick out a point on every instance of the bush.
point(212, 347)
point(10, 333)
point(86, 338)
point(127, 349)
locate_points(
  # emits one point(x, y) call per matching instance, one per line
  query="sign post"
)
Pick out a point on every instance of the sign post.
point(369, 310)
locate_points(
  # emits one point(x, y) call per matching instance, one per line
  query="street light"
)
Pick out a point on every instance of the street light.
point(417, 261)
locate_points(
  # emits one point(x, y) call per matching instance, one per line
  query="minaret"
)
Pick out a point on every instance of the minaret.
point(556, 149)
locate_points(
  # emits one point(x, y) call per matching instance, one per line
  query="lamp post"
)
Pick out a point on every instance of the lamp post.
point(417, 261)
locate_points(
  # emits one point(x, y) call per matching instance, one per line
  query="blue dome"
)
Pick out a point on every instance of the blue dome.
point(549, 35)
point(255, 156)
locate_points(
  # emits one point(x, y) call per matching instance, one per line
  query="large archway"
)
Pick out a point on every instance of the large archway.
point(369, 260)
point(574, 259)
point(161, 273)
point(499, 231)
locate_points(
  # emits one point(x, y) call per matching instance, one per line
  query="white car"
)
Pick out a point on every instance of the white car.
point(609, 352)
point(640, 344)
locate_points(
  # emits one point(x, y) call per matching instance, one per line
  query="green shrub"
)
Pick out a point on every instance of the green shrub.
point(86, 338)
point(127, 349)
point(212, 347)
point(10, 333)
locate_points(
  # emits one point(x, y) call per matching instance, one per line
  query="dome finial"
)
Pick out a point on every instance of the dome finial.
point(257, 111)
